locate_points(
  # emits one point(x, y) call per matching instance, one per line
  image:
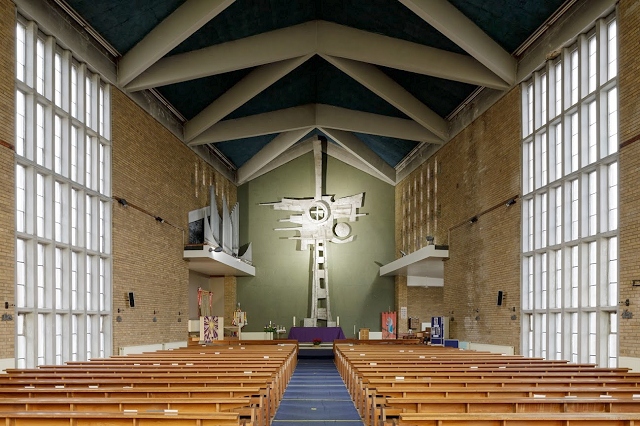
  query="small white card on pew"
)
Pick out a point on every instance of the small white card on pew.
point(130, 411)
point(399, 377)
point(373, 363)
point(93, 386)
point(422, 357)
point(536, 395)
point(167, 411)
point(266, 357)
point(59, 386)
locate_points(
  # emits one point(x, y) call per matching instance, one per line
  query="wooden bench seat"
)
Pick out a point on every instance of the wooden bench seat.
point(74, 418)
point(520, 419)
point(116, 404)
point(251, 408)
point(491, 392)
point(132, 392)
point(195, 386)
point(383, 404)
point(396, 406)
point(437, 386)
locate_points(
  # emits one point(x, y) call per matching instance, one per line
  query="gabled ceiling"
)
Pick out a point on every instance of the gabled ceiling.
point(378, 78)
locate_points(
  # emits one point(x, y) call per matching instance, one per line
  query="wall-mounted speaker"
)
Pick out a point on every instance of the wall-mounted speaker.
point(132, 302)
point(500, 296)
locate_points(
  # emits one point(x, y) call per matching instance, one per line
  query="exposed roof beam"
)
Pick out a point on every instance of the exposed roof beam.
point(322, 38)
point(444, 17)
point(173, 30)
point(261, 49)
point(345, 42)
point(292, 153)
point(333, 117)
point(332, 149)
point(315, 115)
point(270, 152)
point(255, 82)
point(357, 148)
point(379, 83)
point(260, 124)
point(338, 152)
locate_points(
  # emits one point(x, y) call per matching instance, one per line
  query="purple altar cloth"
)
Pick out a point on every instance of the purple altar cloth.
point(307, 334)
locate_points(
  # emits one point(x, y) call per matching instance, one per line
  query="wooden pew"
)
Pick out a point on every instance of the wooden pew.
point(132, 392)
point(249, 408)
point(74, 418)
point(520, 419)
point(396, 407)
point(387, 380)
point(194, 381)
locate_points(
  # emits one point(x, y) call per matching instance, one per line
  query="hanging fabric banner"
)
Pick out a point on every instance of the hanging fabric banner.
point(211, 328)
point(389, 325)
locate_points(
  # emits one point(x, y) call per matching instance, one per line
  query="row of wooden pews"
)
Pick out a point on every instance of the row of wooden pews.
point(437, 386)
point(225, 383)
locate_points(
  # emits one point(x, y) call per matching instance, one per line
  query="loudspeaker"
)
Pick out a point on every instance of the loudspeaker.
point(500, 295)
point(132, 303)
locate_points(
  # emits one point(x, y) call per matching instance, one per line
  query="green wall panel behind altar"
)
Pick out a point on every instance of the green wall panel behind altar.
point(281, 288)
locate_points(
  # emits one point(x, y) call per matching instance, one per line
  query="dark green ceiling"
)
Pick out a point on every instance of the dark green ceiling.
point(123, 23)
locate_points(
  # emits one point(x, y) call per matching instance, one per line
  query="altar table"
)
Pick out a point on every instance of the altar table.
point(307, 334)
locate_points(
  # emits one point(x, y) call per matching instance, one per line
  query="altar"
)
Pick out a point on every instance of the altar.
point(307, 334)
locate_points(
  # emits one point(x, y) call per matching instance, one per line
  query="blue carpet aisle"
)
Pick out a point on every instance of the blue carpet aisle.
point(316, 395)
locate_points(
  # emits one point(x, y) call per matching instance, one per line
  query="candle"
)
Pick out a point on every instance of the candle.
point(338, 321)
point(354, 329)
point(294, 320)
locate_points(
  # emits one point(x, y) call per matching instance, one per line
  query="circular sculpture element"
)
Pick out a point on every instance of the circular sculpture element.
point(319, 212)
point(342, 230)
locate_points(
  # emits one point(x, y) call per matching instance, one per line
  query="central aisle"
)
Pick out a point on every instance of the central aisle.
point(316, 395)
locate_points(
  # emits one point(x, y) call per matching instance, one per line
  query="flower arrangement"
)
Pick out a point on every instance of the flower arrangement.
point(270, 328)
point(317, 341)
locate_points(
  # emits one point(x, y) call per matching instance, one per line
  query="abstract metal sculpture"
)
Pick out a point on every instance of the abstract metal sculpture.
point(316, 227)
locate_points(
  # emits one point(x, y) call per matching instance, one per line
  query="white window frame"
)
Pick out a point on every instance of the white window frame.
point(63, 214)
point(570, 203)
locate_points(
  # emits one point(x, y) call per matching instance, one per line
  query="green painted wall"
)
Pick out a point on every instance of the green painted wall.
point(281, 288)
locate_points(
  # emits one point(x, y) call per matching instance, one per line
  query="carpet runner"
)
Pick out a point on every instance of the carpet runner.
point(316, 395)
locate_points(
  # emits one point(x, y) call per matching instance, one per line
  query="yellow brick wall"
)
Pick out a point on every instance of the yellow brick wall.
point(472, 175)
point(7, 171)
point(154, 172)
point(629, 171)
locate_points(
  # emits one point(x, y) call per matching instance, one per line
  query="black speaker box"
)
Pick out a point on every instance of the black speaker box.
point(132, 302)
point(500, 295)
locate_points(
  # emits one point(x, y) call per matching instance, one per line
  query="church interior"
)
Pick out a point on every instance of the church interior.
point(389, 203)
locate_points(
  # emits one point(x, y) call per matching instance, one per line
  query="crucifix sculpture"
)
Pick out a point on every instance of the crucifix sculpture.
point(321, 220)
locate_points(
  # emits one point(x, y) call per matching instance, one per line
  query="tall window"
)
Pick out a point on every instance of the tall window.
point(63, 196)
point(570, 203)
